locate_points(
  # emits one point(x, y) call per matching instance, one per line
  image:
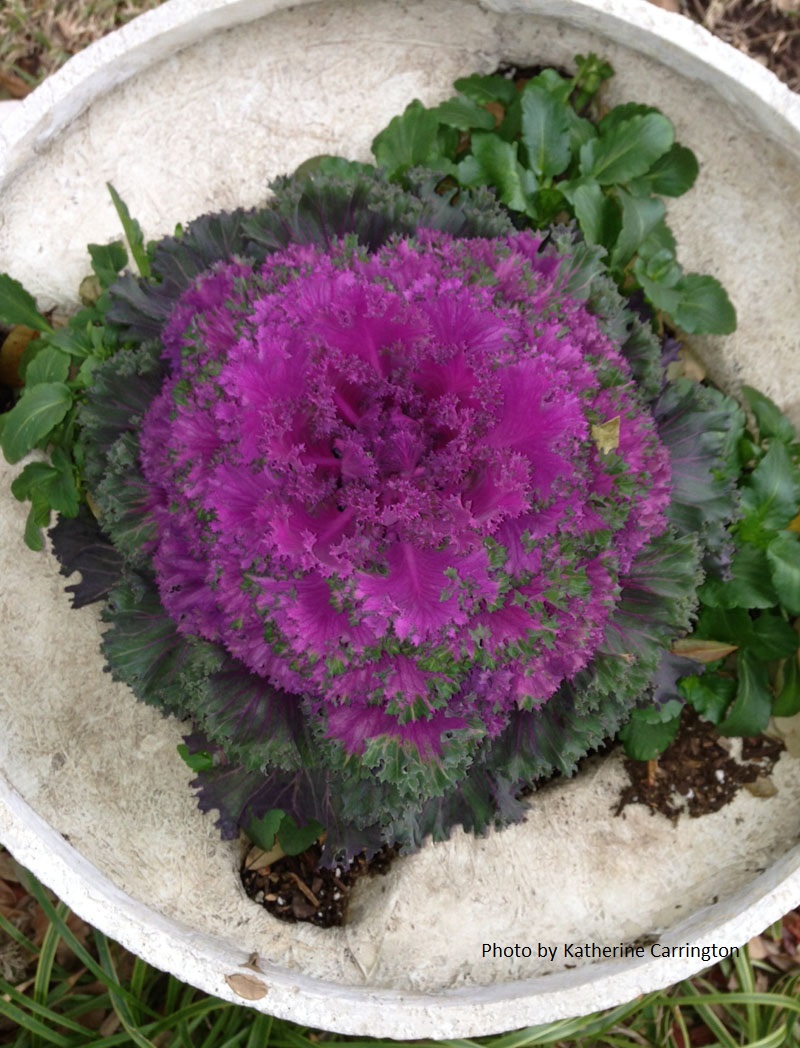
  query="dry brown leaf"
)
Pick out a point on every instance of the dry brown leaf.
point(758, 948)
point(253, 962)
point(11, 351)
point(247, 987)
point(257, 858)
point(668, 5)
point(763, 787)
point(702, 650)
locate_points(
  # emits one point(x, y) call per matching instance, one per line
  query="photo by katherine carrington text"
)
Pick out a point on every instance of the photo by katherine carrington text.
point(574, 951)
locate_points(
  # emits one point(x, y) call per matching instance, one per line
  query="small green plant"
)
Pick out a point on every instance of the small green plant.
point(551, 154)
point(56, 369)
point(744, 633)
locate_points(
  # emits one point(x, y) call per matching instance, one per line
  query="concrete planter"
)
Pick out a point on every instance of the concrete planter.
point(195, 107)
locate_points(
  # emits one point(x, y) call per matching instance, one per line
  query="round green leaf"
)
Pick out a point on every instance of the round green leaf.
point(703, 307)
point(751, 709)
point(49, 365)
point(627, 150)
point(18, 306)
point(38, 411)
point(673, 174)
point(783, 554)
point(545, 131)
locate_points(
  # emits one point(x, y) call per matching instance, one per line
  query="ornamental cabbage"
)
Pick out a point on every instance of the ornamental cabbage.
point(402, 495)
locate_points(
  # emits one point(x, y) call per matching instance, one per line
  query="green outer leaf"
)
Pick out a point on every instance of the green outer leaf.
point(48, 486)
point(621, 114)
point(18, 306)
point(751, 709)
point(710, 695)
point(663, 296)
point(649, 731)
point(598, 215)
point(408, 140)
point(787, 703)
point(200, 761)
point(133, 232)
point(640, 216)
point(483, 89)
point(673, 174)
point(38, 518)
point(783, 554)
point(773, 637)
point(749, 587)
point(295, 839)
point(34, 475)
point(771, 420)
point(49, 365)
point(627, 150)
point(771, 495)
point(464, 114)
point(38, 410)
point(108, 260)
point(545, 131)
point(262, 831)
point(703, 306)
point(494, 163)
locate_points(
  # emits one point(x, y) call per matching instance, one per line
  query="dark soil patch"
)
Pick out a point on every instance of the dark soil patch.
point(297, 888)
point(697, 774)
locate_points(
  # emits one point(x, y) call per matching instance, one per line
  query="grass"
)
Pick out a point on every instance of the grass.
point(65, 984)
point(38, 36)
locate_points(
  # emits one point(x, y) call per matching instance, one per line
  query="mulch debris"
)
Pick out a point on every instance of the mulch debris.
point(698, 773)
point(296, 888)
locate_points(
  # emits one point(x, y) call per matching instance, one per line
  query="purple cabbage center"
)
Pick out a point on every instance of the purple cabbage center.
point(376, 480)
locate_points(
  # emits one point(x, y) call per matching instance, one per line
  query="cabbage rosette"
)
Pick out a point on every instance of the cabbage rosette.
point(404, 505)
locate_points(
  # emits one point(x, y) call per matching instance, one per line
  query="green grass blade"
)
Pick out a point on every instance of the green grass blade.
point(47, 957)
point(12, 998)
point(260, 1032)
point(119, 1001)
point(777, 1039)
point(7, 928)
point(768, 1000)
point(39, 893)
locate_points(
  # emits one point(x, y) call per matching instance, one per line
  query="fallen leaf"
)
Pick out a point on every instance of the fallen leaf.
point(668, 5)
point(758, 948)
point(257, 858)
point(253, 962)
point(762, 787)
point(247, 987)
point(702, 650)
point(606, 435)
point(11, 351)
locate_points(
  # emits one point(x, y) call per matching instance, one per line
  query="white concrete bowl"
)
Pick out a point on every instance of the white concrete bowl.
point(195, 107)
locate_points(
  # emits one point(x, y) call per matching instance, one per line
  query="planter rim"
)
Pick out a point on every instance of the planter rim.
point(200, 960)
point(197, 957)
point(154, 35)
